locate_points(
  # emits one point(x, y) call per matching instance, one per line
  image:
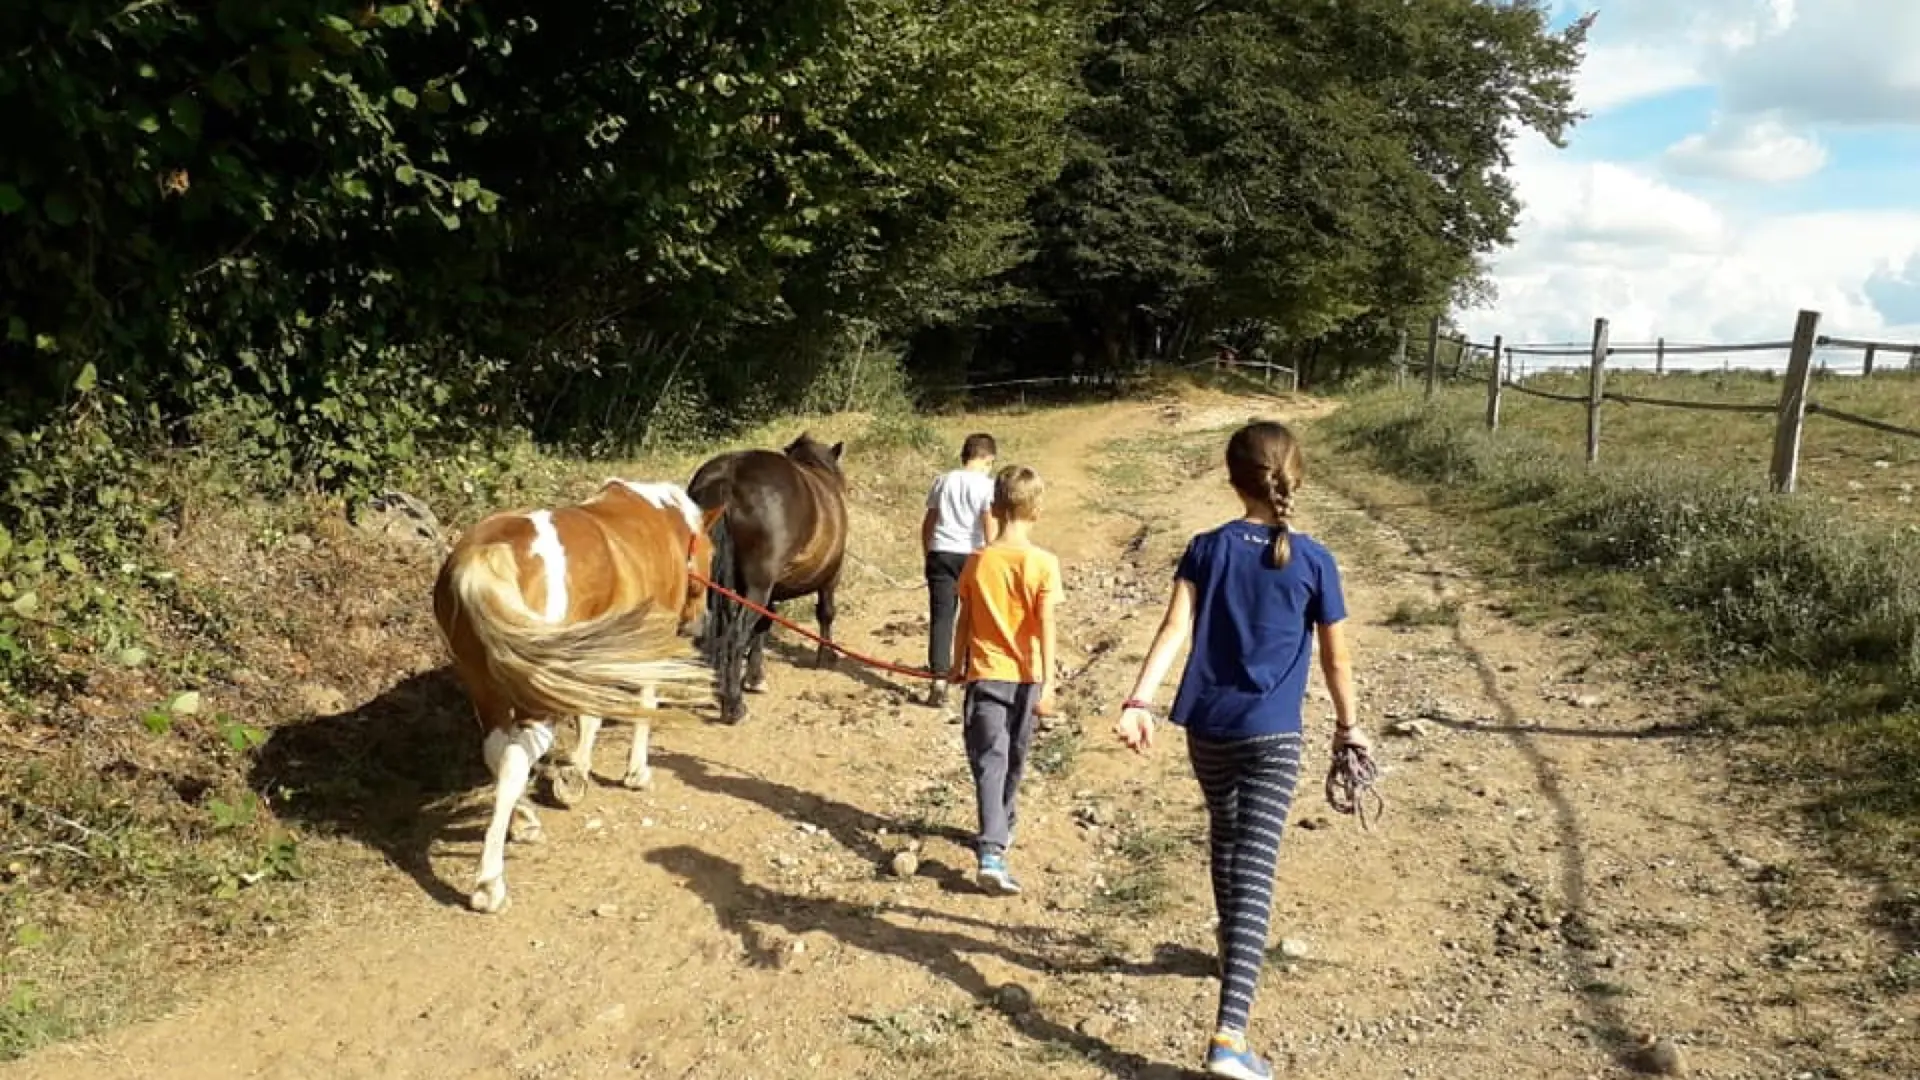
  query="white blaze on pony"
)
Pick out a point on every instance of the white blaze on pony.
point(571, 612)
point(668, 497)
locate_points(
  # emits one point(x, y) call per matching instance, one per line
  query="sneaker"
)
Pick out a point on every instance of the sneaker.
point(994, 877)
point(1230, 1056)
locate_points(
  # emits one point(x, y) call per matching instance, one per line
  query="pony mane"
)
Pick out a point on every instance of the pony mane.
point(808, 450)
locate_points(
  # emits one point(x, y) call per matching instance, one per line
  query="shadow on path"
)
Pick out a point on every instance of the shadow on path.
point(1513, 727)
point(390, 773)
point(1604, 1016)
point(742, 908)
point(855, 829)
point(800, 654)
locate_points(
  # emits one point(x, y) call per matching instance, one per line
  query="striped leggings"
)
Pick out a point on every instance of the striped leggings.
point(1248, 784)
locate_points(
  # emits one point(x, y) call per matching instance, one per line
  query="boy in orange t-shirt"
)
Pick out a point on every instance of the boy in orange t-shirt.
point(1004, 653)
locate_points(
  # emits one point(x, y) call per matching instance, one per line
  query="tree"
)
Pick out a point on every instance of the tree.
point(1305, 166)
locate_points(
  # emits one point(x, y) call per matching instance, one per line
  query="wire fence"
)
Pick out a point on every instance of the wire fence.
point(1507, 367)
point(1280, 376)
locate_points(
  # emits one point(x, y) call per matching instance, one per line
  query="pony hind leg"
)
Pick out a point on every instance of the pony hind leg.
point(639, 773)
point(747, 660)
point(572, 780)
point(824, 609)
point(497, 720)
point(512, 757)
point(755, 681)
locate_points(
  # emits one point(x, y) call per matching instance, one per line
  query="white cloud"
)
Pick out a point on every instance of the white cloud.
point(1607, 206)
point(1616, 75)
point(1762, 149)
point(1640, 49)
point(1626, 240)
point(1607, 239)
point(1831, 61)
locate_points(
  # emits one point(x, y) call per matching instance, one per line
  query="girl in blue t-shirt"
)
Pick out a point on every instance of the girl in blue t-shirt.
point(1254, 594)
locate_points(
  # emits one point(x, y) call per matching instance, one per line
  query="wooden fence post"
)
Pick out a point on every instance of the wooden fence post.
point(1493, 388)
point(1793, 404)
point(1595, 386)
point(1660, 357)
point(1433, 353)
point(1869, 371)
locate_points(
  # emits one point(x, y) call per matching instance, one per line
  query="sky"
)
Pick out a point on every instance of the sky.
point(1742, 159)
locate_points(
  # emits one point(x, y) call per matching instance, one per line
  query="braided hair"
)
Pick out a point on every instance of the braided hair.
point(1264, 464)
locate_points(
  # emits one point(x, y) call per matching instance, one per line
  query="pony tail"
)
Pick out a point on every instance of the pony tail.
point(1282, 551)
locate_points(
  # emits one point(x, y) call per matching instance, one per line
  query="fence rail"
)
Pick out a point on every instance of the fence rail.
point(1789, 412)
point(1862, 421)
point(1676, 403)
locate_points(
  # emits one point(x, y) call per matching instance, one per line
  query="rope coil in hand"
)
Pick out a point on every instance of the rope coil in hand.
point(1350, 780)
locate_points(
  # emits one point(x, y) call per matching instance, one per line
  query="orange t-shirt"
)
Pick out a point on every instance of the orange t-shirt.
point(1003, 590)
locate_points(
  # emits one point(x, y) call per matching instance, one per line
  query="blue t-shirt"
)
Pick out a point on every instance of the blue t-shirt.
point(1253, 628)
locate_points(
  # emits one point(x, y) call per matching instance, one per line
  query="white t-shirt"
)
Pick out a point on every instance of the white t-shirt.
point(960, 500)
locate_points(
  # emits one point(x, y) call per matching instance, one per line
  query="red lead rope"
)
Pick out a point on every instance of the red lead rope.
point(872, 662)
point(1349, 780)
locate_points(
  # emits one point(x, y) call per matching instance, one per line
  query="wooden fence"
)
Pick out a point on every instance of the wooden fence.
point(1789, 413)
point(1289, 377)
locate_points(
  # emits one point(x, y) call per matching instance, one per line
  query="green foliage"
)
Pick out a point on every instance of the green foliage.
point(269, 246)
point(1259, 169)
point(318, 240)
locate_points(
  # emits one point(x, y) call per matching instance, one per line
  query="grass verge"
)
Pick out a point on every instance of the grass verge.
point(1798, 616)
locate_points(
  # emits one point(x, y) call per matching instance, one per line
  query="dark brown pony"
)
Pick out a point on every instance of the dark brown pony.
point(782, 537)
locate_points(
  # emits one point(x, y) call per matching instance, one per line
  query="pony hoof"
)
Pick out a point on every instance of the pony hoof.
point(569, 785)
point(755, 686)
point(826, 661)
point(527, 833)
point(489, 899)
point(638, 779)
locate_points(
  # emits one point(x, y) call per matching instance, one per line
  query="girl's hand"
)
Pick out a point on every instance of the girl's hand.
point(1351, 736)
point(1135, 729)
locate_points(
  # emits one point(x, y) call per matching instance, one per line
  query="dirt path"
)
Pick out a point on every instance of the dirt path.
point(1555, 874)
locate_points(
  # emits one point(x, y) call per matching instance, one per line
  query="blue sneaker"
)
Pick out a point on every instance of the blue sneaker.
point(994, 876)
point(1230, 1056)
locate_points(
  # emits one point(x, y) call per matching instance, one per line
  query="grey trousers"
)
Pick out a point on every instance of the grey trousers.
point(999, 728)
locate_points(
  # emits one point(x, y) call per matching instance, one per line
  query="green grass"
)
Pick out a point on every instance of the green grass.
point(1056, 750)
point(1799, 614)
point(1142, 886)
point(1412, 613)
point(915, 1033)
point(1863, 471)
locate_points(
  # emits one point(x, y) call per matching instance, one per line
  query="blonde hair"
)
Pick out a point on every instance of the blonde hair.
point(1264, 463)
point(1016, 493)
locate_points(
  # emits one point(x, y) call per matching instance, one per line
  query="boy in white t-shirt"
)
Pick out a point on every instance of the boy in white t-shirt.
point(959, 522)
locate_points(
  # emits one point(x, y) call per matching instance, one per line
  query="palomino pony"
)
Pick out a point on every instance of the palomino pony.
point(577, 612)
point(783, 535)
